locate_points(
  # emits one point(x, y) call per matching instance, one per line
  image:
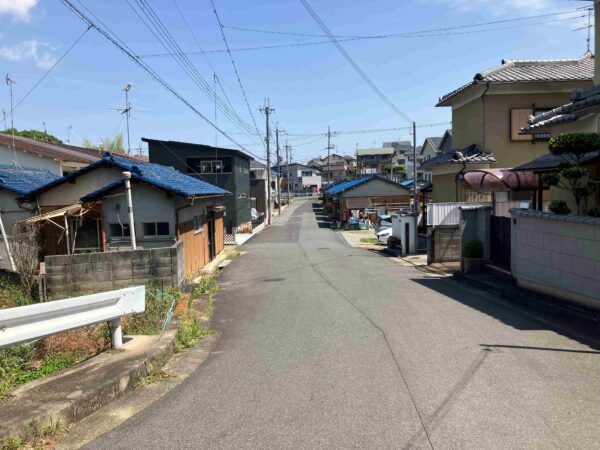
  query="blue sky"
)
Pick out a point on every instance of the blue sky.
point(310, 86)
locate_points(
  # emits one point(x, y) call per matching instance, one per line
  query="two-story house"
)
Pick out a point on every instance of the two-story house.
point(336, 166)
point(489, 112)
point(223, 167)
point(375, 160)
point(303, 179)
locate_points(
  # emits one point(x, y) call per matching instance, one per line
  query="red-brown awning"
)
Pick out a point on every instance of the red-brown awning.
point(493, 180)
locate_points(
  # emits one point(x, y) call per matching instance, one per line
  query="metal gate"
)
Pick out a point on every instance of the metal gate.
point(500, 241)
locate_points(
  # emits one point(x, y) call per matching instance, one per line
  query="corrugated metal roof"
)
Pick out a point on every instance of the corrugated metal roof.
point(161, 176)
point(23, 179)
point(517, 71)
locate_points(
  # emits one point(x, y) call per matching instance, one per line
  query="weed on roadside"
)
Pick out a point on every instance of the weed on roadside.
point(155, 373)
point(190, 331)
point(159, 301)
point(34, 437)
point(369, 240)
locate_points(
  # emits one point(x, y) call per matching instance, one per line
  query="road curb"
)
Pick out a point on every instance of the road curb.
point(84, 399)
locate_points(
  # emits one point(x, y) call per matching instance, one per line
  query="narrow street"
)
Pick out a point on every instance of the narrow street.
point(327, 346)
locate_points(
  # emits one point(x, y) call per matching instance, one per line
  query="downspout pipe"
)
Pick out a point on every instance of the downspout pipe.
point(487, 88)
point(127, 177)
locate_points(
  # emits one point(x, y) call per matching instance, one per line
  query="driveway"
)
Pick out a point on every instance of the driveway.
point(327, 346)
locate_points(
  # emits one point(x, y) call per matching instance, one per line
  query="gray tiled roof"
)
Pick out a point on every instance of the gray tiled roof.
point(469, 155)
point(517, 71)
point(552, 162)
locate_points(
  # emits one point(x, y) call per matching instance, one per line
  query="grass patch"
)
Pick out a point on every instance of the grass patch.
point(12, 295)
point(160, 301)
point(190, 331)
point(155, 373)
point(34, 437)
point(369, 240)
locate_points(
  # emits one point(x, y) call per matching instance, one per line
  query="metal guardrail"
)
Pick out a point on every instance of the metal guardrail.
point(27, 323)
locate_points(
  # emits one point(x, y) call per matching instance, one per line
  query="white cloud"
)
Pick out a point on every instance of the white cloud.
point(19, 9)
point(40, 53)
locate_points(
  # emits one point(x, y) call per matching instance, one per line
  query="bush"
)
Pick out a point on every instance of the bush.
point(473, 249)
point(559, 207)
point(159, 301)
point(393, 242)
point(594, 212)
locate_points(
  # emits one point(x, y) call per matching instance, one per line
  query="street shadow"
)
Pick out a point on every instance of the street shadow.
point(534, 316)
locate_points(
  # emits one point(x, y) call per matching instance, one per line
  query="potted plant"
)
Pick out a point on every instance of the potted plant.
point(472, 257)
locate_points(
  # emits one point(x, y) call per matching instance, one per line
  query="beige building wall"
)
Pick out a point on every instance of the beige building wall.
point(466, 124)
point(444, 186)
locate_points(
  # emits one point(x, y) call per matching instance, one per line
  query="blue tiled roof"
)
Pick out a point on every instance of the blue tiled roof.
point(349, 184)
point(23, 179)
point(333, 184)
point(160, 176)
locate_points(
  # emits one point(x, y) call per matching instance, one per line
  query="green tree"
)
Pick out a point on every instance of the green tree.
point(114, 145)
point(34, 134)
point(571, 175)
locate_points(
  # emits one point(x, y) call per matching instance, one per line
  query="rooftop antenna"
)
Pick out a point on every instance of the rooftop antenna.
point(127, 110)
point(69, 134)
point(10, 83)
point(589, 27)
point(4, 114)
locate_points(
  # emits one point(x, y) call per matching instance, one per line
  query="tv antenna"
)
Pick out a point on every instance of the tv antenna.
point(127, 110)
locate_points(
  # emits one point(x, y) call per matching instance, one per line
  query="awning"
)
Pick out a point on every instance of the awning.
point(358, 203)
point(76, 210)
point(493, 180)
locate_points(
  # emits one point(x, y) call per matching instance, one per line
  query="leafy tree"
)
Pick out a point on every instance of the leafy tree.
point(34, 134)
point(114, 145)
point(571, 175)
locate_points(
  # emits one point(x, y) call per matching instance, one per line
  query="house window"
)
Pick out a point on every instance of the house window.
point(306, 173)
point(156, 229)
point(198, 223)
point(208, 165)
point(117, 230)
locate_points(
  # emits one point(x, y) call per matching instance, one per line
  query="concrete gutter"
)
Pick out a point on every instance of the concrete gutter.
point(77, 392)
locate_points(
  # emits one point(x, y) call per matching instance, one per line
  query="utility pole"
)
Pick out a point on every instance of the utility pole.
point(278, 169)
point(127, 112)
point(10, 83)
point(268, 110)
point(328, 154)
point(288, 156)
point(415, 193)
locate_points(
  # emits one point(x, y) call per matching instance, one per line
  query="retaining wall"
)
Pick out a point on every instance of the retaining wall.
point(557, 255)
point(68, 275)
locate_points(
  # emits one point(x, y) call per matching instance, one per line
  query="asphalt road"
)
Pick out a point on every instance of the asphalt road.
point(326, 346)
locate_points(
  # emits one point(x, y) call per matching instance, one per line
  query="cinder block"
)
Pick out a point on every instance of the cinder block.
point(582, 266)
point(124, 274)
point(571, 246)
point(151, 272)
point(103, 276)
point(591, 287)
point(572, 282)
point(103, 286)
point(551, 242)
point(56, 270)
point(591, 250)
point(140, 254)
point(102, 266)
point(80, 268)
point(561, 261)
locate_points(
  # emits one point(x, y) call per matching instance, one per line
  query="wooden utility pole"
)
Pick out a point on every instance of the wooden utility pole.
point(278, 170)
point(415, 191)
point(268, 110)
point(328, 154)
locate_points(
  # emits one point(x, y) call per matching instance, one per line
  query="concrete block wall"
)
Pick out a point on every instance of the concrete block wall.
point(557, 255)
point(68, 275)
point(475, 225)
point(443, 244)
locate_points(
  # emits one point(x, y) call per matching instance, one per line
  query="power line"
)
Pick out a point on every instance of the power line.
point(110, 36)
point(354, 65)
point(161, 33)
point(235, 67)
point(408, 33)
point(22, 99)
point(363, 38)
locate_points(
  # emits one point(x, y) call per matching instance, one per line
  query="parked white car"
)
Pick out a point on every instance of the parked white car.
point(383, 235)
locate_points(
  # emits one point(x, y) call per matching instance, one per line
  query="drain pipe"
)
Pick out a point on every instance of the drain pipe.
point(127, 176)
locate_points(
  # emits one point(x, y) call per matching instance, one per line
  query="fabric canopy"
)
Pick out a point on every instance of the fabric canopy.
point(491, 180)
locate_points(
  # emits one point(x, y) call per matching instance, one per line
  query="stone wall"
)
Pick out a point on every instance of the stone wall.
point(68, 275)
point(443, 244)
point(557, 255)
